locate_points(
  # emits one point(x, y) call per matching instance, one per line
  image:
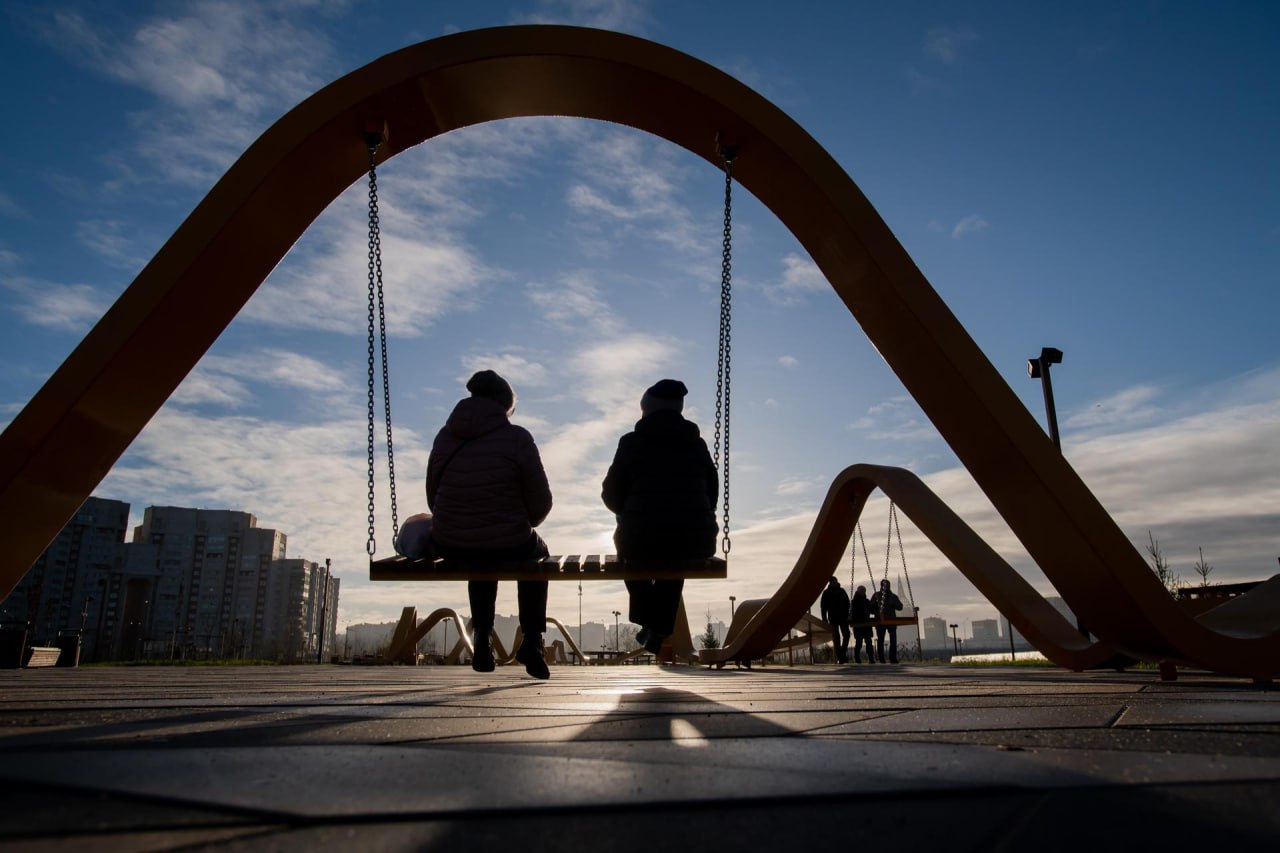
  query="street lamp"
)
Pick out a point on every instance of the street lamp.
point(617, 645)
point(955, 644)
point(1038, 368)
point(732, 599)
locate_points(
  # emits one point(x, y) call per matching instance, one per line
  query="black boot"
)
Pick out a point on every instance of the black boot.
point(530, 654)
point(482, 660)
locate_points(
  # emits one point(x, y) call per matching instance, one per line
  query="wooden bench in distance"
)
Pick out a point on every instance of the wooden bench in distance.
point(591, 567)
point(42, 656)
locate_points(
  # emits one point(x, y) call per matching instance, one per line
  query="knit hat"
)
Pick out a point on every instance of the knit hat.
point(487, 384)
point(666, 395)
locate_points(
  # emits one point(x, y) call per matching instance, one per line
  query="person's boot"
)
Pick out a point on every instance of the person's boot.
point(482, 660)
point(857, 656)
point(530, 654)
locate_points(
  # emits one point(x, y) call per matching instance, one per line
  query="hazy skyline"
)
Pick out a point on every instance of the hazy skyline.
point(1100, 178)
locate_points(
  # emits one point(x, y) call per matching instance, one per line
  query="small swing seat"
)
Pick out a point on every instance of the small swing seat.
point(589, 567)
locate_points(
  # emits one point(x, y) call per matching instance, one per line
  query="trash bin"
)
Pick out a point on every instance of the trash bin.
point(69, 644)
point(13, 642)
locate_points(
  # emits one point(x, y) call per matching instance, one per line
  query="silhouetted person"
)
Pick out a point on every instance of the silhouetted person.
point(488, 491)
point(859, 616)
point(662, 486)
point(835, 612)
point(885, 605)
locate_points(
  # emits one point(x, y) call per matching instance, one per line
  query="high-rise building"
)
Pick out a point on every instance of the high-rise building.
point(936, 640)
point(76, 584)
point(301, 612)
point(986, 631)
point(208, 596)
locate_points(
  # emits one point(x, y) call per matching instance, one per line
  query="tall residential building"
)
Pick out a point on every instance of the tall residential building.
point(208, 596)
point(301, 610)
point(936, 640)
point(986, 631)
point(77, 583)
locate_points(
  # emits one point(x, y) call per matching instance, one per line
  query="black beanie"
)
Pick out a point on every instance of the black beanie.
point(666, 395)
point(487, 384)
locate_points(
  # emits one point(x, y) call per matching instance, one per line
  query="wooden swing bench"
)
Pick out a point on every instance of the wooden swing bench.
point(897, 621)
point(574, 567)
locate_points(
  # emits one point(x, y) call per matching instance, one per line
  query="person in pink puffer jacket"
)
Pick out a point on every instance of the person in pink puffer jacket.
point(487, 491)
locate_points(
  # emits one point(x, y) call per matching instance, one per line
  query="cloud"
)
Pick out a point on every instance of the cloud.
point(575, 303)
point(789, 361)
point(516, 369)
point(10, 208)
point(62, 307)
point(630, 186)
point(969, 225)
point(1128, 407)
point(113, 240)
point(619, 15)
point(800, 276)
point(945, 43)
point(789, 487)
point(217, 71)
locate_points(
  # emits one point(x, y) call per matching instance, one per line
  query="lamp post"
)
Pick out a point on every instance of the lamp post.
point(617, 646)
point(583, 662)
point(324, 604)
point(955, 644)
point(1038, 368)
point(732, 599)
point(1013, 655)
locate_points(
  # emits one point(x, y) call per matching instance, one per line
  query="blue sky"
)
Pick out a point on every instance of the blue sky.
point(1098, 177)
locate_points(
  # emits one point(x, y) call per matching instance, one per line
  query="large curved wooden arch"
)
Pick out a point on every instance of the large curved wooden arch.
point(67, 438)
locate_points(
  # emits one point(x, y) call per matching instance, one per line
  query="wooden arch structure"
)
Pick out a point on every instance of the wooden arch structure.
point(66, 439)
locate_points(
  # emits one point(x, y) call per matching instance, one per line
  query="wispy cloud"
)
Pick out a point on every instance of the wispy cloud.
point(10, 208)
point(63, 307)
point(112, 240)
point(574, 303)
point(946, 43)
point(215, 67)
point(621, 15)
point(1129, 407)
point(969, 225)
point(800, 277)
point(789, 361)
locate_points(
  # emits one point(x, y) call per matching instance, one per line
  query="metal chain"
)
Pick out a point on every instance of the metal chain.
point(724, 356)
point(376, 295)
point(371, 545)
point(893, 514)
point(866, 558)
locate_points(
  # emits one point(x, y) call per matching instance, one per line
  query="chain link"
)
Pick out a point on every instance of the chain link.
point(371, 545)
point(724, 356)
point(376, 296)
point(893, 514)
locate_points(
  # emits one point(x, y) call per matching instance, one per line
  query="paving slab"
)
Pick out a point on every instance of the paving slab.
point(401, 757)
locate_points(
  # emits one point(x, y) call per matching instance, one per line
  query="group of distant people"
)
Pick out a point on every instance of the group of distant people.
point(864, 614)
point(488, 491)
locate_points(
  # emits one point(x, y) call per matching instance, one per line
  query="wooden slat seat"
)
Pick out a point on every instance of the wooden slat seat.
point(604, 567)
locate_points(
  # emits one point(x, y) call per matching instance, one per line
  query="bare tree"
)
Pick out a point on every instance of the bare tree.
point(1160, 565)
point(1203, 569)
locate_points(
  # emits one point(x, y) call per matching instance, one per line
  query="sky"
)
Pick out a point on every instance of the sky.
point(1097, 177)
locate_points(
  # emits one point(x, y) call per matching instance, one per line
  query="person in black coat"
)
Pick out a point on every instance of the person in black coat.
point(662, 487)
point(859, 617)
point(835, 612)
point(885, 605)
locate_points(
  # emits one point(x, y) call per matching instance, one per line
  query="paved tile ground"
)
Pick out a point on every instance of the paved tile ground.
point(639, 758)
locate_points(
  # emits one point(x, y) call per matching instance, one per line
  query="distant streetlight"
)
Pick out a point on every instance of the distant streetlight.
point(617, 646)
point(1038, 368)
point(732, 599)
point(955, 644)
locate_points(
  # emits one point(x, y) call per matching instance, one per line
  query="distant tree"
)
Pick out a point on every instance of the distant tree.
point(708, 639)
point(1203, 569)
point(1160, 565)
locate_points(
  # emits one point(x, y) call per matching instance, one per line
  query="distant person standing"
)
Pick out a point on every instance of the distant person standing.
point(859, 616)
point(835, 612)
point(662, 487)
point(885, 605)
point(488, 491)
